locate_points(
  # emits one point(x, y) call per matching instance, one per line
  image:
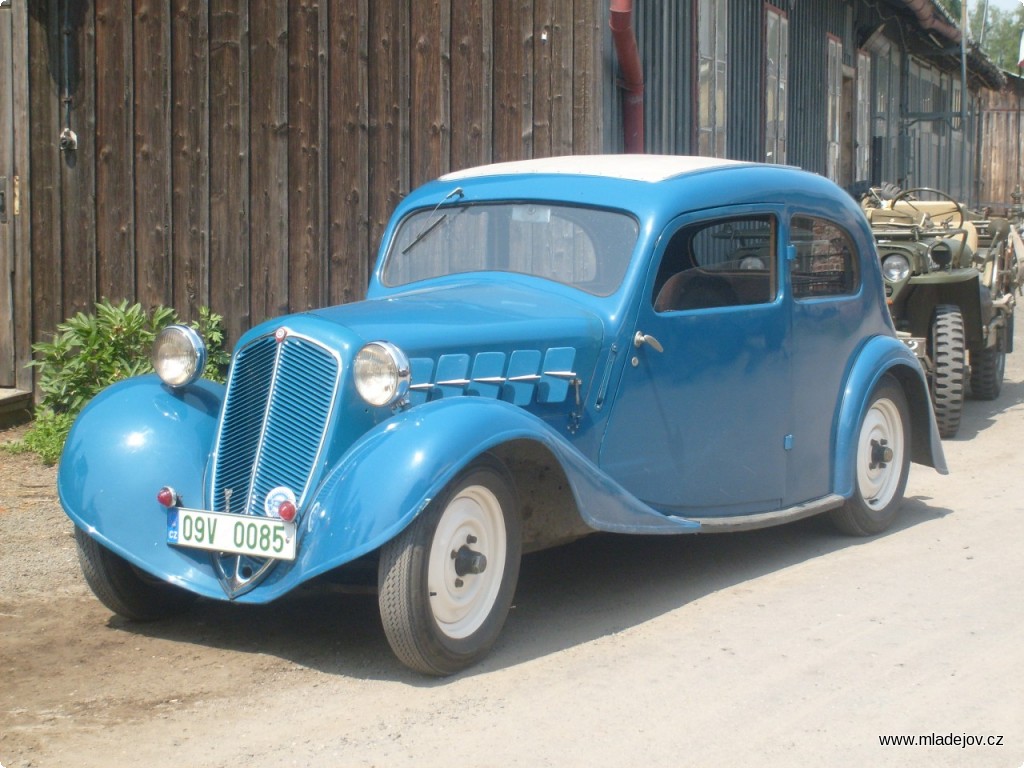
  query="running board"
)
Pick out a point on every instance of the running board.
point(767, 519)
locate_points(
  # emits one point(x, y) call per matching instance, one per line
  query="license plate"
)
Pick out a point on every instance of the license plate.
point(231, 534)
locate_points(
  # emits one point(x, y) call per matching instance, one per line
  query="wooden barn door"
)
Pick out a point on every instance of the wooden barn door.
point(15, 284)
point(6, 195)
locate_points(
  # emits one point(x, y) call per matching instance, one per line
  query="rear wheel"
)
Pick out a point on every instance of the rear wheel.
point(882, 463)
point(987, 368)
point(447, 581)
point(125, 589)
point(948, 355)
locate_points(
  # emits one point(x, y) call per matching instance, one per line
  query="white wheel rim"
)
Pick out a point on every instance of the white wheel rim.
point(878, 481)
point(462, 603)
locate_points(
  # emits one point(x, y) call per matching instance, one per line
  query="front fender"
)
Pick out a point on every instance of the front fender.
point(391, 474)
point(960, 287)
point(883, 355)
point(131, 439)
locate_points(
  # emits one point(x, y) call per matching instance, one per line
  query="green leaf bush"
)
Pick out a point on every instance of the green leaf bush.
point(92, 351)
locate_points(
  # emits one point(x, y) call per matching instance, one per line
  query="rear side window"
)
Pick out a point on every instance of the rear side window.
point(826, 261)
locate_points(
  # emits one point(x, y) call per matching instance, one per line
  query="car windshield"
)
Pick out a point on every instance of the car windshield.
point(586, 248)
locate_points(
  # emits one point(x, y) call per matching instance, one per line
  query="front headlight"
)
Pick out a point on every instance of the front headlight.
point(179, 355)
point(895, 267)
point(381, 373)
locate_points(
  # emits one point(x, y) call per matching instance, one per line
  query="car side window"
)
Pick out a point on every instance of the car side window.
point(825, 263)
point(726, 262)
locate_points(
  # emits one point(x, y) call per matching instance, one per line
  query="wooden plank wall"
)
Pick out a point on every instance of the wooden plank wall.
point(246, 154)
point(1001, 162)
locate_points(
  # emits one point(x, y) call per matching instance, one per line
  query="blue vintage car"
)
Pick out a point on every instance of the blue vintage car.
point(636, 344)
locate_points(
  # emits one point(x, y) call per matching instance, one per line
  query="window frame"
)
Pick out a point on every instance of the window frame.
point(679, 261)
point(833, 125)
point(854, 279)
point(712, 81)
point(776, 80)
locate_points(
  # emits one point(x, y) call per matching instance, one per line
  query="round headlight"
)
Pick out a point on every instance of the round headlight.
point(179, 355)
point(895, 267)
point(381, 373)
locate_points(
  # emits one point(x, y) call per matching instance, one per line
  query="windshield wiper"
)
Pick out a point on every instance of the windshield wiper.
point(457, 192)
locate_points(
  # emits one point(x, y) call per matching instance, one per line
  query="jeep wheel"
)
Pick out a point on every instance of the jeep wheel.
point(447, 581)
point(946, 349)
point(882, 463)
point(987, 368)
point(125, 589)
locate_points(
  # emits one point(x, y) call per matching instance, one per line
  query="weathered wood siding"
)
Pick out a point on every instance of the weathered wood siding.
point(247, 155)
point(1001, 163)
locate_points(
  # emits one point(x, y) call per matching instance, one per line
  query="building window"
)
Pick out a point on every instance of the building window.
point(712, 65)
point(776, 99)
point(862, 151)
point(835, 92)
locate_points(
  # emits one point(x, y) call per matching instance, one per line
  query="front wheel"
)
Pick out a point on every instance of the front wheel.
point(947, 350)
point(446, 582)
point(125, 589)
point(883, 463)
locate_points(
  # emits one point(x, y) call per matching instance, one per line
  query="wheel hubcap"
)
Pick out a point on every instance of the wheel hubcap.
point(880, 454)
point(467, 561)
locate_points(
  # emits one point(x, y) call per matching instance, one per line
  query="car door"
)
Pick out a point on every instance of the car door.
point(829, 322)
point(698, 422)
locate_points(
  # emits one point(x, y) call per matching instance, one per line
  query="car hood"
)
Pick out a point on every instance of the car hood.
point(524, 344)
point(466, 316)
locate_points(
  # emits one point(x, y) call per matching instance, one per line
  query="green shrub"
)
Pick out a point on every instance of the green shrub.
point(48, 433)
point(91, 352)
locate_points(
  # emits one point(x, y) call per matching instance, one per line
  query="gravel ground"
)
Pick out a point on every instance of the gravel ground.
point(784, 647)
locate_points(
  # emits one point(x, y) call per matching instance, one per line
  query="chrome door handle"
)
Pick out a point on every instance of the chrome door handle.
point(642, 338)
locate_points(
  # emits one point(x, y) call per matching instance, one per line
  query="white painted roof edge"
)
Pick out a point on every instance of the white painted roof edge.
point(651, 168)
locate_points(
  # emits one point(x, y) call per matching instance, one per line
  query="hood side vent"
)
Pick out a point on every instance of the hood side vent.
point(525, 376)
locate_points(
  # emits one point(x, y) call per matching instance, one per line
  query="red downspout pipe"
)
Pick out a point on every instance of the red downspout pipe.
point(632, 79)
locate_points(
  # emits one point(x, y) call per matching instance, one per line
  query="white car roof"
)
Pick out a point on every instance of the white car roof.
point(650, 168)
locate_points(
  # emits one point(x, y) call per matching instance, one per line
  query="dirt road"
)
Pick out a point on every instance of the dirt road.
point(791, 646)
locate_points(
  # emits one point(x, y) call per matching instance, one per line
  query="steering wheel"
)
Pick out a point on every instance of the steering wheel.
point(910, 195)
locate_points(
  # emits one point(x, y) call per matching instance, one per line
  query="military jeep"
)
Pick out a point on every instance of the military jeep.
point(950, 279)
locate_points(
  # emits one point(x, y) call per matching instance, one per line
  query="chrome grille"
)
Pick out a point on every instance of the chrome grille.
point(278, 407)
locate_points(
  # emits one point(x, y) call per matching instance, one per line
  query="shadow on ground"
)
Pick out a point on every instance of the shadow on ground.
point(979, 415)
point(566, 596)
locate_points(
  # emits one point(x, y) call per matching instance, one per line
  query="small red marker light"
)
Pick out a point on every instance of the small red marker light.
point(167, 496)
point(286, 511)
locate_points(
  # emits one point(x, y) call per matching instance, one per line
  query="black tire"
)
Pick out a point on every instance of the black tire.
point(882, 463)
point(438, 616)
point(987, 368)
point(948, 354)
point(123, 588)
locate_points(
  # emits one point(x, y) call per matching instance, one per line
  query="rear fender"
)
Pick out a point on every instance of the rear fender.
point(880, 356)
point(393, 472)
